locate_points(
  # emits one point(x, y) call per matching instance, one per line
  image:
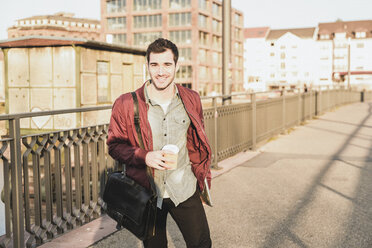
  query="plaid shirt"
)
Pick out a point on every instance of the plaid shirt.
point(171, 127)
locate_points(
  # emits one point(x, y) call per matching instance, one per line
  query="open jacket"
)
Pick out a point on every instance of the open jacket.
point(123, 144)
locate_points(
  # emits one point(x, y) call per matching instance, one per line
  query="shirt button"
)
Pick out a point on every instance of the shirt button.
point(164, 119)
point(165, 134)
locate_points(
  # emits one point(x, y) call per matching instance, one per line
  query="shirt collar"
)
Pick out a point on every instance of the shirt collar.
point(152, 102)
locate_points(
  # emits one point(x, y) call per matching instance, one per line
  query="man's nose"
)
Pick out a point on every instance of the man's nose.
point(161, 70)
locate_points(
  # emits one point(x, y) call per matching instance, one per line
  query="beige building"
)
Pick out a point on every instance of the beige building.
point(194, 25)
point(2, 90)
point(47, 73)
point(60, 25)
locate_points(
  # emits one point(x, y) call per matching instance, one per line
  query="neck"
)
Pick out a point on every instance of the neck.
point(161, 96)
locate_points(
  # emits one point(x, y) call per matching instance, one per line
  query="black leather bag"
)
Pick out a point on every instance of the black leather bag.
point(131, 205)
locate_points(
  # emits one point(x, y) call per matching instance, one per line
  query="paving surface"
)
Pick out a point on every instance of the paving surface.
point(309, 188)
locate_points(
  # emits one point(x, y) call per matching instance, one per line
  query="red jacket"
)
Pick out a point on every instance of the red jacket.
point(123, 142)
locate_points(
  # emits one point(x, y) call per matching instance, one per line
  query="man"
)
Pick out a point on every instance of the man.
point(169, 114)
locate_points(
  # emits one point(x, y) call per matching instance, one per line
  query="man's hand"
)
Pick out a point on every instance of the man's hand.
point(157, 160)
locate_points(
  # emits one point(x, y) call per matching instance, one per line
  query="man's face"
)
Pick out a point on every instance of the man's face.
point(162, 69)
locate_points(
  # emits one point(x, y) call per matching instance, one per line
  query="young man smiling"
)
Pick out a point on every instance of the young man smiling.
point(169, 114)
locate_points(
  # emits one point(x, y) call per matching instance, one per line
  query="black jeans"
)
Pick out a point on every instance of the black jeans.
point(191, 220)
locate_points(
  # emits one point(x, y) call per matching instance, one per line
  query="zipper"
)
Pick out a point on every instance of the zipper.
point(200, 127)
point(148, 135)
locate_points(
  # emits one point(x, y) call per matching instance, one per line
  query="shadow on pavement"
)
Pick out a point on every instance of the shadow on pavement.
point(359, 227)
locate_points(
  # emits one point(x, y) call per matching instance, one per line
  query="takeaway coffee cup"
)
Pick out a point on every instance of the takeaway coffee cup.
point(172, 153)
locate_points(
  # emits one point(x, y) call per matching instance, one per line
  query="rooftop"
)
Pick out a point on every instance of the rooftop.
point(259, 32)
point(304, 33)
point(348, 27)
point(44, 41)
point(63, 16)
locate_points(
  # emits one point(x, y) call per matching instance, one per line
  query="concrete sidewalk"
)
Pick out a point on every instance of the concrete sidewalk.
point(309, 188)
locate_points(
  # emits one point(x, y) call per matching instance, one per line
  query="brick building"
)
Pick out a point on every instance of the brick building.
point(58, 25)
point(195, 26)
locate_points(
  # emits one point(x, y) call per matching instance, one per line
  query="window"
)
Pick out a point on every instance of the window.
point(116, 23)
point(216, 26)
point(272, 54)
point(144, 39)
point(238, 47)
point(180, 19)
point(119, 38)
point(215, 74)
point(360, 35)
point(102, 84)
point(203, 72)
point(217, 10)
point(216, 41)
point(139, 5)
point(202, 55)
point(184, 72)
point(203, 4)
point(184, 54)
point(237, 19)
point(237, 61)
point(114, 6)
point(282, 66)
point(203, 21)
point(282, 55)
point(340, 35)
point(203, 38)
point(282, 47)
point(216, 58)
point(237, 33)
point(360, 45)
point(180, 37)
point(147, 21)
point(177, 4)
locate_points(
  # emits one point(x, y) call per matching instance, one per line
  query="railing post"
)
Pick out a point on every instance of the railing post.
point(215, 118)
point(16, 182)
point(311, 104)
point(283, 111)
point(318, 100)
point(254, 121)
point(299, 107)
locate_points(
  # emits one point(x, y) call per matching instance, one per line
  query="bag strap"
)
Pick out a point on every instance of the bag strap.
point(140, 140)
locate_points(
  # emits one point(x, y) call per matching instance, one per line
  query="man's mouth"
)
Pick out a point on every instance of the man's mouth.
point(161, 79)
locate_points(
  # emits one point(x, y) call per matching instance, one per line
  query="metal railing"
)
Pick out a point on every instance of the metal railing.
point(53, 181)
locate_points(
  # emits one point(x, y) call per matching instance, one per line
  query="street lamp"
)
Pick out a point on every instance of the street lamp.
point(348, 62)
point(226, 39)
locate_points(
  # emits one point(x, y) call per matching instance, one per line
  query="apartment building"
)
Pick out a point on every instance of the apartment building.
point(194, 25)
point(346, 47)
point(59, 25)
point(291, 57)
point(255, 57)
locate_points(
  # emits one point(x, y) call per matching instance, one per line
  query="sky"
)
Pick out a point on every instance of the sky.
point(277, 14)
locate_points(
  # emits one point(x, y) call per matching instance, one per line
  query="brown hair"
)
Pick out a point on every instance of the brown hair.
point(161, 45)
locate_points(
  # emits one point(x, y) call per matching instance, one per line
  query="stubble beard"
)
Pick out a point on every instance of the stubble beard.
point(161, 88)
